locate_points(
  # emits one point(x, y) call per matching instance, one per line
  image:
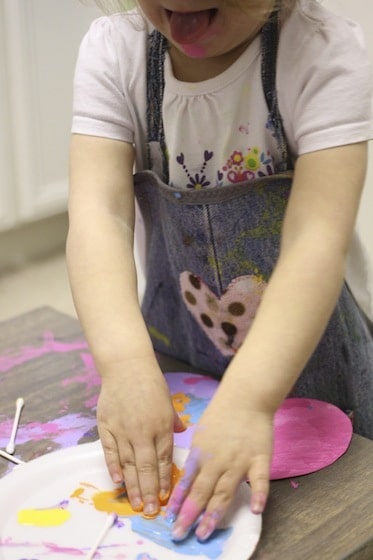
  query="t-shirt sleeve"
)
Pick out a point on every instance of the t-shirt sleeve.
point(324, 83)
point(100, 104)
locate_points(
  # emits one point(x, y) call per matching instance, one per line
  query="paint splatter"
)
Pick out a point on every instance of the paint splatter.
point(113, 501)
point(51, 517)
point(157, 335)
point(65, 431)
point(48, 346)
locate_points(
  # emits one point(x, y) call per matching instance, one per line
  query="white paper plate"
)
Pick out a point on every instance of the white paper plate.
point(63, 486)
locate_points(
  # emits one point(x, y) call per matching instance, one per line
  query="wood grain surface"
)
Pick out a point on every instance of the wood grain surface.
point(326, 515)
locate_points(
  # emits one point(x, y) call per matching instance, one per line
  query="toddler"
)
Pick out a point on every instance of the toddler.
point(239, 131)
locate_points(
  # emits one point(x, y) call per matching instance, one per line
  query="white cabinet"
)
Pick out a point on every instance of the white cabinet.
point(39, 40)
point(7, 210)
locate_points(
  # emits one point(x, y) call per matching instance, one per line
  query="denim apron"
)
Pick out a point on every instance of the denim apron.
point(210, 254)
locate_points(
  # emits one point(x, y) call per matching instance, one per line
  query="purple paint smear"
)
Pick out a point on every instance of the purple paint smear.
point(53, 548)
point(71, 425)
point(65, 431)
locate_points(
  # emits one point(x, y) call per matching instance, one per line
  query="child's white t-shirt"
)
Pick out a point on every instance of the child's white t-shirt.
point(217, 131)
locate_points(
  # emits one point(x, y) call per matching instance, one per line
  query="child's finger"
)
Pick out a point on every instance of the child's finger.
point(179, 425)
point(259, 483)
point(164, 449)
point(147, 474)
point(191, 468)
point(130, 478)
point(217, 506)
point(193, 505)
point(110, 449)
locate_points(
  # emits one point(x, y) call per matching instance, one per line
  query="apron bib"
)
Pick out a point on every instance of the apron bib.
point(210, 254)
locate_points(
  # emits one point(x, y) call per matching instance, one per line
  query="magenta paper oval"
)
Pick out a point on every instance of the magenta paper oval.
point(309, 434)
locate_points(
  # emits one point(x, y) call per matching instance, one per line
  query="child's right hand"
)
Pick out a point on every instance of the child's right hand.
point(136, 421)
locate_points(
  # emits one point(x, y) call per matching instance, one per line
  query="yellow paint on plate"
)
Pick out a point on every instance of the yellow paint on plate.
point(43, 517)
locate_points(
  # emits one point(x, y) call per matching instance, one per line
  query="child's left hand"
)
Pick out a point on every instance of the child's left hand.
point(232, 443)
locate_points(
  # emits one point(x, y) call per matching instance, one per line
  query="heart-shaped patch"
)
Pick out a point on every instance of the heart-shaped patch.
point(226, 319)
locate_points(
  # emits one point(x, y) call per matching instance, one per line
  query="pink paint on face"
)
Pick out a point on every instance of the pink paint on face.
point(194, 51)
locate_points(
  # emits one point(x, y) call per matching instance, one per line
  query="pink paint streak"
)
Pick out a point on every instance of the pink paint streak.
point(48, 346)
point(192, 380)
point(188, 515)
point(89, 377)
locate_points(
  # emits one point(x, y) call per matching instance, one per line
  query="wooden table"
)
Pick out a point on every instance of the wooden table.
point(327, 515)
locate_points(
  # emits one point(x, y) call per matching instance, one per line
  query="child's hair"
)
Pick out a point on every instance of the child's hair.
point(117, 6)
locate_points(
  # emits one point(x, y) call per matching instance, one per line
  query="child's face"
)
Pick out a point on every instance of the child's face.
point(207, 28)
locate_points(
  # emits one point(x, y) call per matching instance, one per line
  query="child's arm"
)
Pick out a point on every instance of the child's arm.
point(234, 437)
point(135, 413)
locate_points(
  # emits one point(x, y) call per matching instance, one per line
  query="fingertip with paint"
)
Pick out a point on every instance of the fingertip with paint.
point(179, 533)
point(258, 503)
point(170, 518)
point(150, 510)
point(207, 523)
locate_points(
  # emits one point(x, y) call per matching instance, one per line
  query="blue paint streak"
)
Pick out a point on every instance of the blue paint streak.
point(158, 531)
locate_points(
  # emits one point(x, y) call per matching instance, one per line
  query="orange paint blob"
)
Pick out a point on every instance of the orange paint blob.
point(116, 501)
point(180, 400)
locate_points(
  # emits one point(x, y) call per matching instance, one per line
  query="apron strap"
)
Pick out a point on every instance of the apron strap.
point(157, 46)
point(270, 36)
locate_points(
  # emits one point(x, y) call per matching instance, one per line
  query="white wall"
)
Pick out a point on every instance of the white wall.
point(39, 41)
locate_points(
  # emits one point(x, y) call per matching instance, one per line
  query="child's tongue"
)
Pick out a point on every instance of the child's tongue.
point(188, 27)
